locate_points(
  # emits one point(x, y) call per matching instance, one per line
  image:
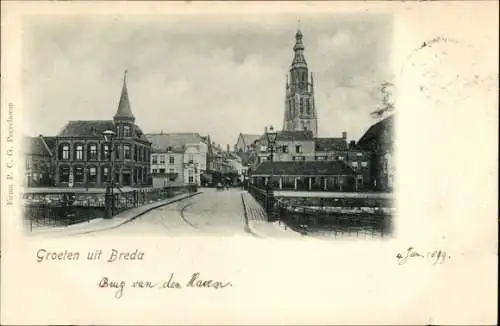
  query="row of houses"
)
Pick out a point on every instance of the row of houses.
point(81, 156)
point(301, 161)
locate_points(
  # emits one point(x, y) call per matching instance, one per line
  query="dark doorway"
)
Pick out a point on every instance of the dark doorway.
point(127, 180)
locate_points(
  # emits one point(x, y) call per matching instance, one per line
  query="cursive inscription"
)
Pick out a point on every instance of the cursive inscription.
point(195, 281)
point(435, 256)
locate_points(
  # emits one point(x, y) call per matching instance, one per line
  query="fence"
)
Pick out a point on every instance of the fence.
point(337, 216)
point(63, 209)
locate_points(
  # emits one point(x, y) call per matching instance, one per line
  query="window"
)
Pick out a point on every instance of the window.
point(92, 177)
point(155, 170)
point(162, 171)
point(340, 158)
point(64, 152)
point(364, 164)
point(285, 148)
point(105, 174)
point(79, 152)
point(126, 152)
point(140, 152)
point(190, 179)
point(355, 166)
point(301, 106)
point(308, 107)
point(117, 151)
point(78, 174)
point(171, 159)
point(64, 173)
point(126, 131)
point(105, 151)
point(359, 154)
point(162, 159)
point(320, 158)
point(298, 149)
point(28, 164)
point(154, 159)
point(92, 152)
point(190, 158)
point(134, 151)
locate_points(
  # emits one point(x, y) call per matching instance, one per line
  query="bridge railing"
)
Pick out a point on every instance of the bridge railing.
point(329, 214)
point(62, 209)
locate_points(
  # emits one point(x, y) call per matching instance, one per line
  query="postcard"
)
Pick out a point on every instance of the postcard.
point(249, 163)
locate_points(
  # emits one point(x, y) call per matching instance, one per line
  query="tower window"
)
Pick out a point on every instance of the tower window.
point(308, 107)
point(126, 131)
point(301, 106)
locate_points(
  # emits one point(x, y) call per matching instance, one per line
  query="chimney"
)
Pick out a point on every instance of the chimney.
point(228, 148)
point(344, 135)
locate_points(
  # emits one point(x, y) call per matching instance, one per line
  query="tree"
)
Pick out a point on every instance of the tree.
point(386, 105)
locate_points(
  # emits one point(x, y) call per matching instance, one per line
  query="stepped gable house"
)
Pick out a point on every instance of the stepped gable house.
point(82, 151)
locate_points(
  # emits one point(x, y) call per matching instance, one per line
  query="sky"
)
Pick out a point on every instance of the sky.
point(211, 74)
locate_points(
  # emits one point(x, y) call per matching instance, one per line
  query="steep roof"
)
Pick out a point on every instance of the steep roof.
point(295, 135)
point(93, 128)
point(161, 142)
point(86, 128)
point(330, 144)
point(124, 110)
point(36, 146)
point(248, 139)
point(380, 134)
point(303, 168)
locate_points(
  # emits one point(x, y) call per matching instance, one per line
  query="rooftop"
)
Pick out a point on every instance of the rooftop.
point(330, 144)
point(303, 168)
point(164, 141)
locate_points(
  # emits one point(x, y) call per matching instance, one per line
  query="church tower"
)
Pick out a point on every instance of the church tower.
point(300, 110)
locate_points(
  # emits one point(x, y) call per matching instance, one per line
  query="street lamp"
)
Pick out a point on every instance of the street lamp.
point(271, 142)
point(108, 199)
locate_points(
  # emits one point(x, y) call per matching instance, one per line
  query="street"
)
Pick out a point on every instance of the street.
point(210, 213)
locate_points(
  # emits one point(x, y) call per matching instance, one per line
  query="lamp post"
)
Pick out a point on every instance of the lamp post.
point(108, 199)
point(271, 142)
point(87, 178)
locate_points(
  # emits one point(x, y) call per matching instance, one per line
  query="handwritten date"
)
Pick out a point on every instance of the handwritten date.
point(435, 256)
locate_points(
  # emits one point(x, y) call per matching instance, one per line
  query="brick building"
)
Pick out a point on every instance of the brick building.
point(83, 155)
point(39, 161)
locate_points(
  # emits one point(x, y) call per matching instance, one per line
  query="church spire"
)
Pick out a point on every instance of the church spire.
point(124, 111)
point(298, 60)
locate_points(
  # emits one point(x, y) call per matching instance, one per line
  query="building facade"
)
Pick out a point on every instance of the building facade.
point(84, 158)
point(39, 161)
point(167, 168)
point(378, 140)
point(182, 154)
point(300, 109)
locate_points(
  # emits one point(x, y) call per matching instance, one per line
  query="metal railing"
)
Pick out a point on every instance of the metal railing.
point(335, 215)
point(62, 209)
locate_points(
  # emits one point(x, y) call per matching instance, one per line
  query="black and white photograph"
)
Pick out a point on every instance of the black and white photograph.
point(172, 125)
point(249, 163)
